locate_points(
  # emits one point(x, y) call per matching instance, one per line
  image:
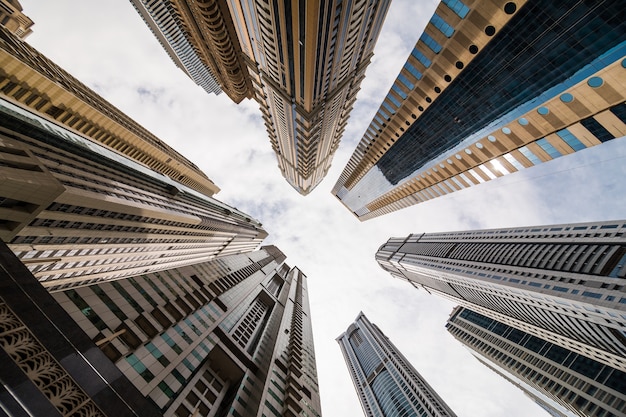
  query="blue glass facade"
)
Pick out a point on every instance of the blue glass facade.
point(541, 47)
point(387, 384)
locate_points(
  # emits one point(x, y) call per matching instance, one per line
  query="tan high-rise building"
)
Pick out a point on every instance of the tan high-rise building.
point(32, 80)
point(302, 61)
point(77, 213)
point(490, 88)
point(13, 18)
point(228, 337)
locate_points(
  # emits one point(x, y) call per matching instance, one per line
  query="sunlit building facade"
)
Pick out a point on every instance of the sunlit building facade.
point(13, 18)
point(564, 381)
point(76, 212)
point(228, 337)
point(386, 383)
point(489, 89)
point(31, 80)
point(562, 283)
point(302, 61)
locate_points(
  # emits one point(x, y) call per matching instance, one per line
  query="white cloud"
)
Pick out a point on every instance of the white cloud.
point(108, 47)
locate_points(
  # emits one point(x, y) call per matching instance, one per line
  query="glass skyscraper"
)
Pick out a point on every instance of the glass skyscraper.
point(386, 383)
point(555, 376)
point(303, 62)
point(489, 89)
point(561, 283)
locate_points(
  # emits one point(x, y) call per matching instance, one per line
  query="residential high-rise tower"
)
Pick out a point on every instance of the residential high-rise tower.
point(49, 366)
point(553, 374)
point(32, 81)
point(562, 283)
point(386, 383)
point(302, 61)
point(76, 212)
point(491, 88)
point(228, 337)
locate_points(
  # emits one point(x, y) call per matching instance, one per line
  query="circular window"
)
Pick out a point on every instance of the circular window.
point(437, 90)
point(506, 130)
point(420, 108)
point(490, 30)
point(479, 145)
point(449, 161)
point(595, 82)
point(510, 8)
point(491, 138)
point(523, 121)
point(457, 156)
point(459, 65)
point(423, 176)
point(442, 166)
point(434, 169)
point(413, 116)
point(401, 129)
point(407, 123)
point(467, 151)
point(543, 110)
point(397, 135)
point(473, 49)
point(429, 100)
point(448, 78)
point(567, 98)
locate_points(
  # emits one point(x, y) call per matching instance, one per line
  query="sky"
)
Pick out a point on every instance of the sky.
point(107, 46)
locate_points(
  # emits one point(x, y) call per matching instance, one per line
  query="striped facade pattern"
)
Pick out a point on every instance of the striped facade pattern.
point(310, 61)
point(451, 73)
point(562, 283)
point(165, 22)
point(32, 80)
point(208, 339)
point(573, 381)
point(386, 383)
point(77, 213)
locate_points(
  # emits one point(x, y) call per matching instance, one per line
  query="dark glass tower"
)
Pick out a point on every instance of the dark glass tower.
point(562, 283)
point(489, 89)
point(551, 374)
point(386, 383)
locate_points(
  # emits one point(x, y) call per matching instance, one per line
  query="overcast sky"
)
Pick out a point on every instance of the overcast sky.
point(107, 46)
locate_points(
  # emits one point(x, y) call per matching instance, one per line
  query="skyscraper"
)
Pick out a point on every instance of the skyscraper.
point(490, 88)
point(78, 213)
point(31, 80)
point(302, 61)
point(231, 336)
point(13, 18)
point(49, 366)
point(385, 381)
point(561, 283)
point(555, 374)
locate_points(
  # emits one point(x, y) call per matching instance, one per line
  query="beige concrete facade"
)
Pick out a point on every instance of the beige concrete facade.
point(77, 213)
point(13, 18)
point(302, 61)
point(29, 78)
